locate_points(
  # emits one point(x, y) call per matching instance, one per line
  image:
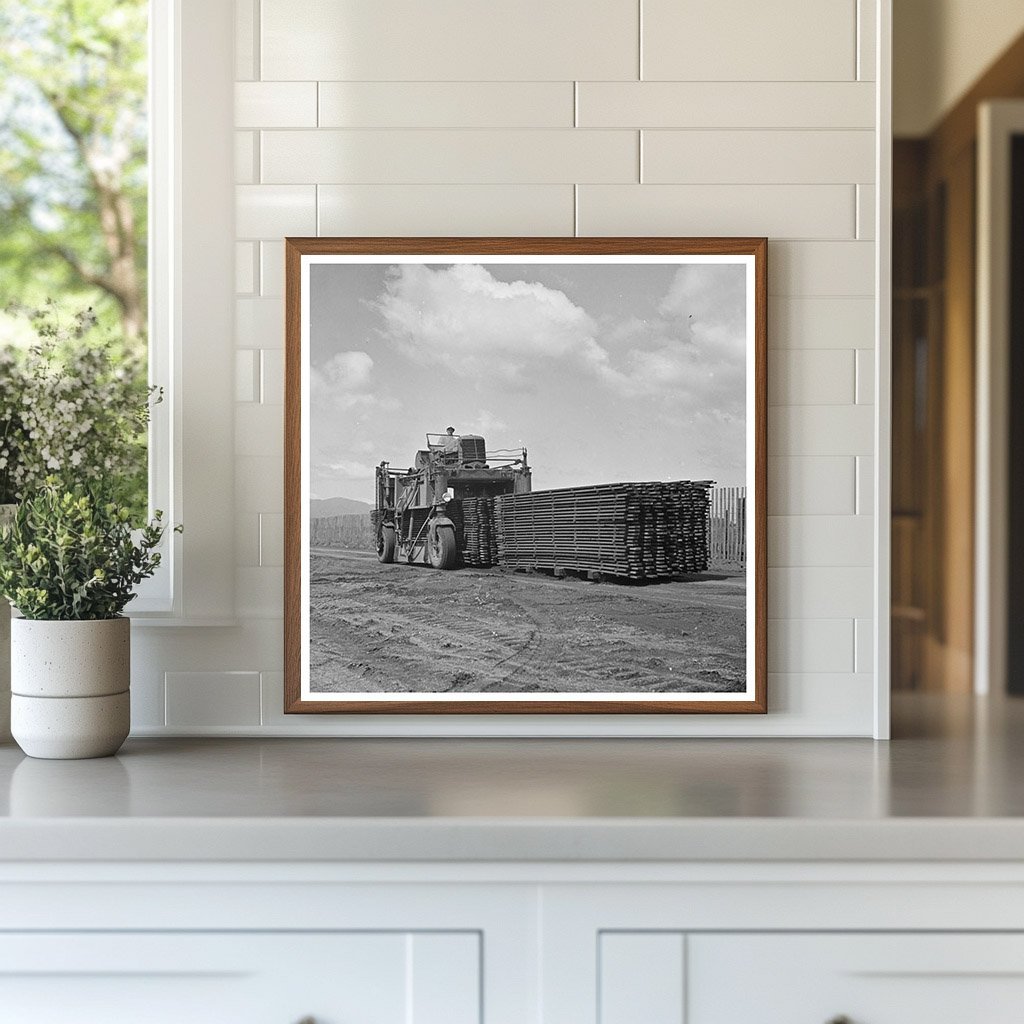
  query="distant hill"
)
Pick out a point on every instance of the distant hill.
point(321, 508)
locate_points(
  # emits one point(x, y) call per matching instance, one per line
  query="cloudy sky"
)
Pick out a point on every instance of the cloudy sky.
point(605, 372)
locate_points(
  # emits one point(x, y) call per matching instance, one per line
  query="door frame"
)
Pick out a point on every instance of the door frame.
point(998, 122)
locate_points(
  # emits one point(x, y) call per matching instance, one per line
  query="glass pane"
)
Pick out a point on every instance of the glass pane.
point(73, 223)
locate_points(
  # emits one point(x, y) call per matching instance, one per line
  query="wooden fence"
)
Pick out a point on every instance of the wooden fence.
point(349, 531)
point(728, 522)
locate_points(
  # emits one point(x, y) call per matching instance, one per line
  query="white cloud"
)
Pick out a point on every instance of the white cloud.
point(485, 423)
point(343, 380)
point(694, 350)
point(465, 319)
point(347, 371)
point(690, 351)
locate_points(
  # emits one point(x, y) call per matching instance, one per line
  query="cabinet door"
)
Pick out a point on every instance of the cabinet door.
point(241, 978)
point(862, 978)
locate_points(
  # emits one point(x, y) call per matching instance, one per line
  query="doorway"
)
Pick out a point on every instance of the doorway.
point(954, 426)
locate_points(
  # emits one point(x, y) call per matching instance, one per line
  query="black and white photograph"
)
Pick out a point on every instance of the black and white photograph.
point(527, 477)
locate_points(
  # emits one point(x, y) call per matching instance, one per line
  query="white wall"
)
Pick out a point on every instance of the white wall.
point(626, 117)
point(940, 48)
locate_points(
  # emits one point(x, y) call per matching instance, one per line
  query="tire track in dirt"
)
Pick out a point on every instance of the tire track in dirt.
point(393, 628)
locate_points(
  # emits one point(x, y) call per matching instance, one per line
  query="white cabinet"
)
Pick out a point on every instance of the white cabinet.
point(263, 944)
point(511, 943)
point(868, 979)
point(786, 944)
point(678, 978)
point(241, 978)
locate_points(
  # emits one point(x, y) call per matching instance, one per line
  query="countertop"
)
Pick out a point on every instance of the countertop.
point(949, 786)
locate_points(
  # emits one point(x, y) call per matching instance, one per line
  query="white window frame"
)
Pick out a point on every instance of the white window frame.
point(191, 294)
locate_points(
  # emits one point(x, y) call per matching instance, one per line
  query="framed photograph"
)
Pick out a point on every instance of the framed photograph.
point(525, 475)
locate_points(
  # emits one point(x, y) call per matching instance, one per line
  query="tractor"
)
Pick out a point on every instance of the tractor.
point(411, 518)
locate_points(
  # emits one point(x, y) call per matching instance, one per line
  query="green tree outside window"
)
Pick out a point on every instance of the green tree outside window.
point(73, 175)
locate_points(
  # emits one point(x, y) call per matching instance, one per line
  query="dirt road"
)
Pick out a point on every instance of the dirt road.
point(399, 628)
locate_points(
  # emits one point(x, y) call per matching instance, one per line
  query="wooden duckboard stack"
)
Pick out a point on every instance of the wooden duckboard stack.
point(474, 530)
point(637, 531)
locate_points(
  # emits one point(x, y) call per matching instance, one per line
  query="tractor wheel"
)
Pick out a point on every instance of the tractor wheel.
point(386, 545)
point(441, 548)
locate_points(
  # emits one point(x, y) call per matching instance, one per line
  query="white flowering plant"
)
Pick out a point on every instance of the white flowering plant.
point(76, 408)
point(72, 555)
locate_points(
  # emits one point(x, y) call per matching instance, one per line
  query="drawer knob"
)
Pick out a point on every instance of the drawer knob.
point(841, 1019)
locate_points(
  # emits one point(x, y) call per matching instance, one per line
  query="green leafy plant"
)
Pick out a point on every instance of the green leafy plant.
point(73, 155)
point(71, 554)
point(73, 407)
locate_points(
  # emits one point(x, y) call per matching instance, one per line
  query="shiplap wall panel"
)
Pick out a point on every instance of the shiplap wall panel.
point(820, 591)
point(821, 430)
point(726, 105)
point(825, 376)
point(247, 543)
point(449, 40)
point(867, 26)
point(246, 170)
point(737, 157)
point(275, 210)
point(246, 43)
point(864, 645)
point(258, 588)
point(271, 540)
point(803, 703)
point(815, 322)
point(259, 429)
point(271, 265)
point(865, 485)
point(259, 486)
point(447, 105)
point(465, 118)
point(455, 156)
point(212, 698)
point(446, 209)
point(247, 361)
point(260, 322)
point(866, 211)
point(245, 268)
point(811, 645)
point(276, 104)
point(775, 211)
point(822, 268)
point(806, 540)
point(272, 376)
point(865, 392)
point(750, 41)
point(818, 486)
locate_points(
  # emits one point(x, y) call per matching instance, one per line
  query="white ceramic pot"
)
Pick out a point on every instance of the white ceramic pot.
point(69, 683)
point(6, 515)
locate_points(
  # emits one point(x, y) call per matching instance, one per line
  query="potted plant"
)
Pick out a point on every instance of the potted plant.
point(69, 563)
point(72, 405)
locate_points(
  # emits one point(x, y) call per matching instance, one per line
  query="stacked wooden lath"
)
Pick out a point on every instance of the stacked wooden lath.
point(474, 530)
point(637, 531)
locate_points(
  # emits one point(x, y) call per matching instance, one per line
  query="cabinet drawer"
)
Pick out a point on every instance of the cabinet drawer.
point(866, 978)
point(242, 978)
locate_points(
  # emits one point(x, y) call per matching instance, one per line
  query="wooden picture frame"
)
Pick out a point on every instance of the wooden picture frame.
point(378, 329)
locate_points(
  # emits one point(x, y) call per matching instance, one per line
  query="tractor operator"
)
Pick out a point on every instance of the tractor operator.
point(450, 443)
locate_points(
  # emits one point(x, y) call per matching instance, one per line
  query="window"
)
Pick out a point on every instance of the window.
point(74, 221)
point(168, 148)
